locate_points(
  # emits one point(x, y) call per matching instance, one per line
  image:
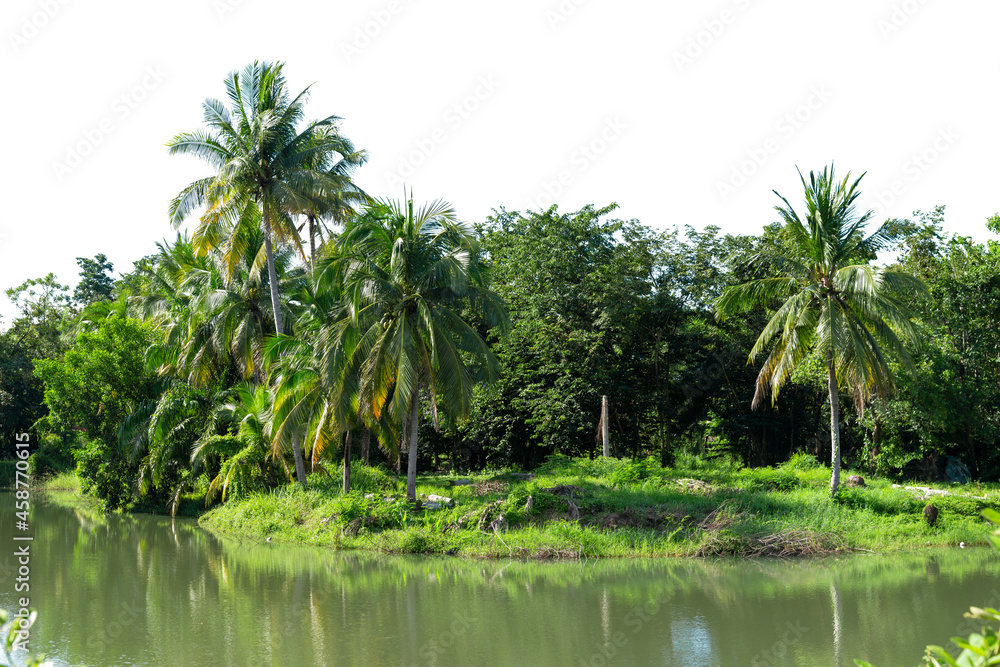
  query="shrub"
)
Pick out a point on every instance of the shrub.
point(105, 475)
point(512, 507)
point(53, 456)
point(634, 472)
point(802, 462)
point(371, 479)
point(557, 464)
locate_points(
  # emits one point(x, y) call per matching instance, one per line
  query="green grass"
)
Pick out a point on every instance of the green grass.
point(64, 481)
point(625, 509)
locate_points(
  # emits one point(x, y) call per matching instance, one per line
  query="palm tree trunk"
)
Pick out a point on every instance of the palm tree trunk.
point(312, 241)
point(300, 464)
point(366, 439)
point(411, 467)
point(347, 462)
point(272, 276)
point(834, 422)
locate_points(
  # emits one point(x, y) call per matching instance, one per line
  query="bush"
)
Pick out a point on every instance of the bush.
point(557, 464)
point(7, 473)
point(634, 472)
point(415, 541)
point(52, 457)
point(371, 479)
point(512, 508)
point(802, 462)
point(105, 475)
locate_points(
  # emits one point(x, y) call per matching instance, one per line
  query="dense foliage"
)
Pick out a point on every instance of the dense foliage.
point(246, 354)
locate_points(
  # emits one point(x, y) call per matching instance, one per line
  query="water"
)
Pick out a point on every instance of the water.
point(144, 590)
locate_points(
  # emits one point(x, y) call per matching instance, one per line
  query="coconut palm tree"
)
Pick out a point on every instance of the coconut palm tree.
point(336, 205)
point(242, 456)
point(314, 388)
point(833, 303)
point(266, 169)
point(316, 375)
point(230, 315)
point(408, 272)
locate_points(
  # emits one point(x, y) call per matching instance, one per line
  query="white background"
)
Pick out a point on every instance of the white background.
point(684, 95)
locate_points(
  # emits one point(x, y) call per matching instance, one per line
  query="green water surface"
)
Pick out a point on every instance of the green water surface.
point(147, 590)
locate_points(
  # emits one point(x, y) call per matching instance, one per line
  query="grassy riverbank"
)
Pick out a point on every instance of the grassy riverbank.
point(607, 507)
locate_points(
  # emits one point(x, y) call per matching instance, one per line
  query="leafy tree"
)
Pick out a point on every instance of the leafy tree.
point(95, 283)
point(101, 380)
point(37, 333)
point(833, 303)
point(948, 403)
point(598, 307)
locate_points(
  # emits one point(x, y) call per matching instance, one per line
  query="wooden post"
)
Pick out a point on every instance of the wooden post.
point(604, 426)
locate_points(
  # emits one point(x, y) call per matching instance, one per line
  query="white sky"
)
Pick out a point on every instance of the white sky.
point(535, 81)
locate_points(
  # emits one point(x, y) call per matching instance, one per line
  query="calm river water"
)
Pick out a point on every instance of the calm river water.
point(145, 590)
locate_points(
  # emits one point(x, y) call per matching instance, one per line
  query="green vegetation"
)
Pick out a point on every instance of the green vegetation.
point(11, 638)
point(835, 306)
point(244, 356)
point(609, 507)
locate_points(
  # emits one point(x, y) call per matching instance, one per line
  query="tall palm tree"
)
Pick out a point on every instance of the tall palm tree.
point(408, 273)
point(266, 169)
point(316, 375)
point(834, 304)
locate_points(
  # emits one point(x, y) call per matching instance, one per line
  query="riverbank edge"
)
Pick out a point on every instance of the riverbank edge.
point(790, 515)
point(578, 514)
